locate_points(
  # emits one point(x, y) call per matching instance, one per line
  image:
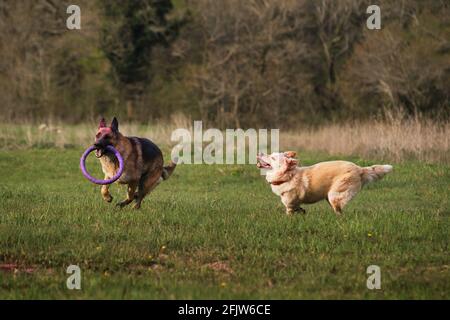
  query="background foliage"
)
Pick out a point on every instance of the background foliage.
point(228, 62)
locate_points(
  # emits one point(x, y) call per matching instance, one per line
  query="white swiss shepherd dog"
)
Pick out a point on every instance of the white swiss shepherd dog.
point(336, 181)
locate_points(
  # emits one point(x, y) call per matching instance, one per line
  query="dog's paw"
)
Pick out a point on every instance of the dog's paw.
point(137, 206)
point(292, 211)
point(122, 204)
point(108, 199)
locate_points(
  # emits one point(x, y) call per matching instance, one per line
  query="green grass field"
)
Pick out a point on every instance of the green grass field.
point(218, 232)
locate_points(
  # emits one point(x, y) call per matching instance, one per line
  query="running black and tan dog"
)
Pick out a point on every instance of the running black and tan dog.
point(143, 163)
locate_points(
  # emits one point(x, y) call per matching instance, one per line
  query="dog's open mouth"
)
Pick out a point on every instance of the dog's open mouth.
point(99, 152)
point(262, 164)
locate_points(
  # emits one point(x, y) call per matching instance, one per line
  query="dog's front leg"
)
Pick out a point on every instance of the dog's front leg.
point(105, 192)
point(130, 195)
point(292, 204)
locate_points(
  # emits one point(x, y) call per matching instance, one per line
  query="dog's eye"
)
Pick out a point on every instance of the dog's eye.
point(98, 135)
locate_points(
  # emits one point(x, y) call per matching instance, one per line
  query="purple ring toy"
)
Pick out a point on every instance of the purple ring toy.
point(99, 181)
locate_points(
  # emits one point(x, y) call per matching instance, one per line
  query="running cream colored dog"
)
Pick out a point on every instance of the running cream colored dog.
point(336, 181)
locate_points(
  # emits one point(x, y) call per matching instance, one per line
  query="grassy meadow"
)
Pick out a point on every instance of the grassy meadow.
point(333, 87)
point(218, 232)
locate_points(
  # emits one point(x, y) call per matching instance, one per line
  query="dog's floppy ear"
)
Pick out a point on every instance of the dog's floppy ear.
point(290, 154)
point(115, 125)
point(102, 123)
point(291, 162)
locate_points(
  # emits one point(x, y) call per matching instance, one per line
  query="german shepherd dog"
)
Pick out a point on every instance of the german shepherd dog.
point(143, 163)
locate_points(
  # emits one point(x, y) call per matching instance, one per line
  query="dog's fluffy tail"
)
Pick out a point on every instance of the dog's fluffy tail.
point(375, 173)
point(168, 170)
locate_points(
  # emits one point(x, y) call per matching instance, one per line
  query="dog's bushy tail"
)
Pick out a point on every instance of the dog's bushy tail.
point(375, 173)
point(168, 170)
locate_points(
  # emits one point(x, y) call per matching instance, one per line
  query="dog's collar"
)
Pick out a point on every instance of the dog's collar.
point(277, 183)
point(280, 182)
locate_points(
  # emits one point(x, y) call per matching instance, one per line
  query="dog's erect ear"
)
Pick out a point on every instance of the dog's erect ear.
point(290, 154)
point(115, 125)
point(102, 123)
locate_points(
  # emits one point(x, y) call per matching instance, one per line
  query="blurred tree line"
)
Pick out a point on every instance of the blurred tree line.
point(231, 63)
